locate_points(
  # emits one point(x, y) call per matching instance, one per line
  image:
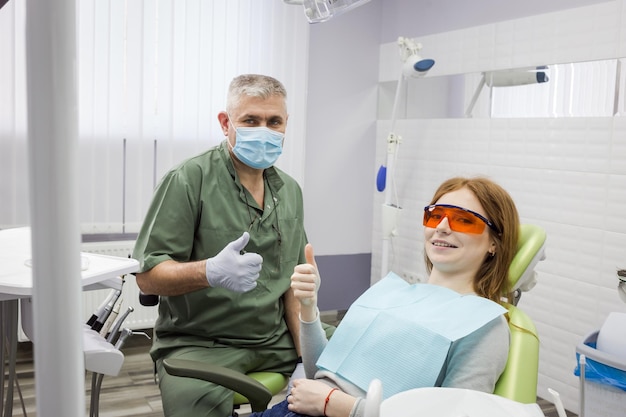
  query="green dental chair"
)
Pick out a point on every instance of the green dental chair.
point(518, 381)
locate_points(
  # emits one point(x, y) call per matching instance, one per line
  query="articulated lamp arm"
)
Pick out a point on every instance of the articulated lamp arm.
point(413, 66)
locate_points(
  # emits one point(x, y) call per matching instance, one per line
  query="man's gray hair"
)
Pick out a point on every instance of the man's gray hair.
point(253, 85)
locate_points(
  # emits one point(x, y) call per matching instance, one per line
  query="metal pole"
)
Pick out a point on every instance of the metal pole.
point(582, 361)
point(389, 210)
point(53, 169)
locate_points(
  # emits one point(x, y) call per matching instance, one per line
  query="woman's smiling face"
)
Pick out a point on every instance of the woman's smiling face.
point(451, 251)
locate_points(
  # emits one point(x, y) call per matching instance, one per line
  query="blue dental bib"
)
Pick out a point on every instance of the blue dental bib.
point(400, 333)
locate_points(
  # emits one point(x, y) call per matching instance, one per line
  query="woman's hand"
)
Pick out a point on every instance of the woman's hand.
point(307, 397)
point(305, 283)
point(314, 398)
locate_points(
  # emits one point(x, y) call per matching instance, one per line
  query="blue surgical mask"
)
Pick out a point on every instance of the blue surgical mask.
point(258, 147)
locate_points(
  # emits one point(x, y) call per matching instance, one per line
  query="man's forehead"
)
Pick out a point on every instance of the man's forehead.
point(261, 115)
point(257, 106)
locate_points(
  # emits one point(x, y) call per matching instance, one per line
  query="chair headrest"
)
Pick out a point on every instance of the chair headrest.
point(530, 250)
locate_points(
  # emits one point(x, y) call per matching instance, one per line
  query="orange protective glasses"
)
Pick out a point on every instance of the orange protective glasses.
point(460, 219)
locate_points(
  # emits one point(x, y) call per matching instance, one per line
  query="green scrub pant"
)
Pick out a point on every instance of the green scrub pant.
point(190, 397)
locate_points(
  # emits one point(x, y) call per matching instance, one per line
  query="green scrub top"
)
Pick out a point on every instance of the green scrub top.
point(197, 209)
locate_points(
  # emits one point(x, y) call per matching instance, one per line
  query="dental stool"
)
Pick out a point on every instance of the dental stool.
point(254, 388)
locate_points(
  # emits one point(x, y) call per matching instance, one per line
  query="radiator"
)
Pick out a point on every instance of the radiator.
point(142, 317)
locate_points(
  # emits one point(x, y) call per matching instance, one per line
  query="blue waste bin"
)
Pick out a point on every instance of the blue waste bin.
point(602, 380)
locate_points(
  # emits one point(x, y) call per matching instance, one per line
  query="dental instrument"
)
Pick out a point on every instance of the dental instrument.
point(102, 318)
point(112, 317)
point(118, 324)
point(100, 310)
point(557, 402)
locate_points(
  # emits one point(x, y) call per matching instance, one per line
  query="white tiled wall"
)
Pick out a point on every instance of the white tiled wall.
point(580, 34)
point(567, 175)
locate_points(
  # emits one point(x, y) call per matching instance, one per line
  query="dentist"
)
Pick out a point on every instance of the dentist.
point(218, 244)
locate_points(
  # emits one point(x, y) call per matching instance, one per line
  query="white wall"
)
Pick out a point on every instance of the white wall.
point(567, 175)
point(340, 142)
point(420, 18)
point(340, 167)
point(340, 148)
point(342, 98)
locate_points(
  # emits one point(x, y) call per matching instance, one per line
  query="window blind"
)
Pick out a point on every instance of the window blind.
point(152, 76)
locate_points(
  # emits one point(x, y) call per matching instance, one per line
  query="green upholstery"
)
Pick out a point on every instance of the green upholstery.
point(273, 381)
point(519, 380)
point(529, 252)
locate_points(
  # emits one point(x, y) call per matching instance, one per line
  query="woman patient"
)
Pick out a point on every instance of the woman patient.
point(470, 237)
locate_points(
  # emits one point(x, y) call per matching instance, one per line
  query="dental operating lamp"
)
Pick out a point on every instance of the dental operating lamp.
point(317, 11)
point(413, 66)
point(508, 78)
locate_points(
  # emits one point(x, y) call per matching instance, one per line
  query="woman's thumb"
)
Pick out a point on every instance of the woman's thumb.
point(309, 255)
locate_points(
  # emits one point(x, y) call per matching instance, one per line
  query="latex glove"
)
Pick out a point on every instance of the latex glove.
point(305, 281)
point(298, 373)
point(233, 270)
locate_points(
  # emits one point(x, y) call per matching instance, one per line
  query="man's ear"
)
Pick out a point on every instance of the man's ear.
point(223, 118)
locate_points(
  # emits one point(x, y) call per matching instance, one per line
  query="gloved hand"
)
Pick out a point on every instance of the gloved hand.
point(232, 270)
point(298, 373)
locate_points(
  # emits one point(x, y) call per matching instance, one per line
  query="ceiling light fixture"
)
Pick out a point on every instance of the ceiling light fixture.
point(318, 11)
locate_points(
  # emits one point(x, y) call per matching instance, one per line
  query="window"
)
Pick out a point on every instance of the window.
point(152, 76)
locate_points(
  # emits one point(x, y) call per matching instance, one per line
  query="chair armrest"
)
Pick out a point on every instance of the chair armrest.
point(254, 391)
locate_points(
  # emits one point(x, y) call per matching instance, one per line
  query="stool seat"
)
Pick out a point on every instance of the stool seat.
point(273, 381)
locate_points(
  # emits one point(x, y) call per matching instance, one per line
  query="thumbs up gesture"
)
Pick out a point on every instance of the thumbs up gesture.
point(233, 270)
point(305, 282)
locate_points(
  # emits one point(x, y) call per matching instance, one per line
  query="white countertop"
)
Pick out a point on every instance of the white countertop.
point(98, 271)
